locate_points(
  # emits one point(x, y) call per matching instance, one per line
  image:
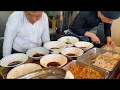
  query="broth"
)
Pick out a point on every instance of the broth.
point(38, 55)
point(14, 63)
point(53, 64)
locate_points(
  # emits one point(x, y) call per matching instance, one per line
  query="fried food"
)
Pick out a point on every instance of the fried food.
point(85, 72)
point(107, 60)
point(108, 48)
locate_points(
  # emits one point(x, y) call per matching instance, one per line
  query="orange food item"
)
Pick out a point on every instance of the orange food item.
point(84, 72)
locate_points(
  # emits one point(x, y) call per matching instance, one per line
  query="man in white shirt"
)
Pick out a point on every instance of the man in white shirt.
point(25, 30)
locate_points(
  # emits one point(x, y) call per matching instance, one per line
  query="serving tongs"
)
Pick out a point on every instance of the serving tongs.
point(98, 45)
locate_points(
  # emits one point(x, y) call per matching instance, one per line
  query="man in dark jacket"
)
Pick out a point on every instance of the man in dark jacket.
point(86, 20)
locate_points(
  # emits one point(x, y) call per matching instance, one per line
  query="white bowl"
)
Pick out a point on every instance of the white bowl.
point(72, 50)
point(39, 50)
point(69, 75)
point(69, 40)
point(55, 44)
point(61, 59)
point(22, 70)
point(84, 45)
point(13, 57)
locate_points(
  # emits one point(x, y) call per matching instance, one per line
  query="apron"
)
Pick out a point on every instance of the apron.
point(115, 32)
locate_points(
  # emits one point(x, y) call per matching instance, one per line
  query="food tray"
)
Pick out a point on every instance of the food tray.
point(88, 57)
point(115, 74)
point(100, 70)
point(45, 73)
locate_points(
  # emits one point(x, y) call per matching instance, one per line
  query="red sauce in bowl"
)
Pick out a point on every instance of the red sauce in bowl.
point(53, 64)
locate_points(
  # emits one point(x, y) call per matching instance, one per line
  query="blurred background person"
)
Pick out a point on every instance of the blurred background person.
point(25, 30)
point(86, 21)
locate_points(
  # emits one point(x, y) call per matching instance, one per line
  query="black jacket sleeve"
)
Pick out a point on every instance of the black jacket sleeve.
point(107, 29)
point(78, 30)
point(83, 22)
point(77, 26)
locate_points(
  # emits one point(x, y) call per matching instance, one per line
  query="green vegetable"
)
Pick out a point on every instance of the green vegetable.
point(68, 41)
point(43, 72)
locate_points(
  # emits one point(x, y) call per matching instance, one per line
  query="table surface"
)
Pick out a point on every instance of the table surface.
point(30, 60)
point(4, 70)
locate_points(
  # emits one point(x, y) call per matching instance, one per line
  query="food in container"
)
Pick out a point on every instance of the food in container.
point(106, 61)
point(53, 64)
point(84, 45)
point(69, 40)
point(53, 60)
point(100, 58)
point(72, 52)
point(14, 63)
point(109, 48)
point(13, 60)
point(55, 46)
point(84, 71)
point(22, 70)
point(38, 55)
point(37, 52)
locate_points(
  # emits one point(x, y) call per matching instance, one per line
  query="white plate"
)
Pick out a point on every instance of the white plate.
point(73, 50)
point(53, 58)
point(69, 75)
point(22, 70)
point(13, 57)
point(55, 44)
point(84, 45)
point(69, 39)
point(40, 50)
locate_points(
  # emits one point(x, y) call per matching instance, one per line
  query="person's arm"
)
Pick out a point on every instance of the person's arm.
point(93, 37)
point(82, 32)
point(77, 26)
point(46, 35)
point(9, 36)
point(107, 31)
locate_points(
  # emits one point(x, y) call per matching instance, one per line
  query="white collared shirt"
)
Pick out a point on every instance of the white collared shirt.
point(21, 35)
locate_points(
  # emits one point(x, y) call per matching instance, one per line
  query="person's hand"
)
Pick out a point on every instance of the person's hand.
point(110, 42)
point(93, 37)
